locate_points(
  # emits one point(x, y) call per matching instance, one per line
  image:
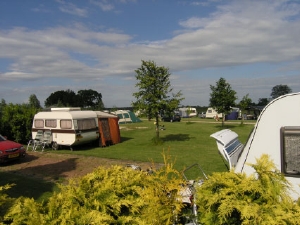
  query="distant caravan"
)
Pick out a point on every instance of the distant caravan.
point(187, 112)
point(212, 113)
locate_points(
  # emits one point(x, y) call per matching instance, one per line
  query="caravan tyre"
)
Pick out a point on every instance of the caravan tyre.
point(55, 146)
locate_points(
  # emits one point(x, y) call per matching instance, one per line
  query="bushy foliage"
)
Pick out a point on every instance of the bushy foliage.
point(17, 121)
point(115, 195)
point(87, 99)
point(121, 195)
point(230, 198)
point(5, 201)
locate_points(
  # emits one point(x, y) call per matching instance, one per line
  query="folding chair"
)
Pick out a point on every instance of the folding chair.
point(47, 139)
point(30, 145)
point(38, 140)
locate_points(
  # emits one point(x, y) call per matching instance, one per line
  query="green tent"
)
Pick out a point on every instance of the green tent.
point(126, 116)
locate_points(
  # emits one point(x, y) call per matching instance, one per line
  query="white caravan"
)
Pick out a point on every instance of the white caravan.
point(68, 126)
point(212, 113)
point(276, 133)
point(187, 112)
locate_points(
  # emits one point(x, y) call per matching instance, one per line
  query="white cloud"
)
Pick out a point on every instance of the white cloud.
point(245, 32)
point(71, 8)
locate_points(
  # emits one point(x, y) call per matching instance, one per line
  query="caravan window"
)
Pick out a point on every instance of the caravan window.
point(39, 123)
point(86, 124)
point(66, 124)
point(290, 150)
point(50, 123)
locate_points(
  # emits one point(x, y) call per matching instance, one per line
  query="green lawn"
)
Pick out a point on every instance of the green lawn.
point(188, 142)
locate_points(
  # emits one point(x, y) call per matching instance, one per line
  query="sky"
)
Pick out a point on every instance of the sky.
point(53, 45)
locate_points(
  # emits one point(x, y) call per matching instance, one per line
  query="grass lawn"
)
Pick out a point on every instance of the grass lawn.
point(187, 142)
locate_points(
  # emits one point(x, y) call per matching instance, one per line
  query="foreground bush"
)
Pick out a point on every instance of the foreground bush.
point(120, 195)
point(5, 201)
point(229, 198)
point(114, 195)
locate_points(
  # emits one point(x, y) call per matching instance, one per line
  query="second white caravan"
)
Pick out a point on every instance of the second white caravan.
point(276, 133)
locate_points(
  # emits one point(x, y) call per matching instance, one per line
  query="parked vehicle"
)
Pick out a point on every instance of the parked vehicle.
point(171, 118)
point(10, 150)
point(273, 135)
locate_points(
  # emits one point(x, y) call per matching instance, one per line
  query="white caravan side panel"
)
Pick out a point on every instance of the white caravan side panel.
point(266, 135)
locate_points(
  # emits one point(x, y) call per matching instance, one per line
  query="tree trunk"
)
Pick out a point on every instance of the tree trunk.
point(157, 127)
point(223, 119)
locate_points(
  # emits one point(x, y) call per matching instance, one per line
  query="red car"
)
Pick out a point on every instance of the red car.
point(10, 150)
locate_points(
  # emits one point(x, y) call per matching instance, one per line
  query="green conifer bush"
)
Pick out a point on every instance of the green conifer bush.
point(121, 195)
point(230, 198)
point(115, 195)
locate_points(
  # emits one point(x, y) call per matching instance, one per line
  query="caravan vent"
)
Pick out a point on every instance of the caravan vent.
point(66, 109)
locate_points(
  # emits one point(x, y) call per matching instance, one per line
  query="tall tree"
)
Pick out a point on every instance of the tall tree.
point(17, 121)
point(154, 91)
point(90, 99)
point(244, 103)
point(222, 97)
point(65, 98)
point(34, 102)
point(2, 106)
point(263, 101)
point(280, 90)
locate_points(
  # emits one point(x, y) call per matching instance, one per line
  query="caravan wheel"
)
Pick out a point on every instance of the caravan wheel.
point(55, 146)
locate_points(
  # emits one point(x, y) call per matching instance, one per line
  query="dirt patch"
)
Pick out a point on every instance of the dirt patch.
point(52, 167)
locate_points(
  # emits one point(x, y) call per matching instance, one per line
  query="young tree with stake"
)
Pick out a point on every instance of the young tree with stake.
point(154, 90)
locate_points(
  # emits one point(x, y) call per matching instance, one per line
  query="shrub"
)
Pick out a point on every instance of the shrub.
point(229, 198)
point(5, 201)
point(115, 195)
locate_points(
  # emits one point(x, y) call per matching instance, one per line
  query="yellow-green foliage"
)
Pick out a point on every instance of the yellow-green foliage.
point(5, 201)
point(120, 195)
point(115, 195)
point(229, 198)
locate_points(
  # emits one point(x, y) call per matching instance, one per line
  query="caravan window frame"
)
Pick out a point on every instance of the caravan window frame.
point(66, 124)
point(86, 124)
point(51, 123)
point(39, 123)
point(290, 150)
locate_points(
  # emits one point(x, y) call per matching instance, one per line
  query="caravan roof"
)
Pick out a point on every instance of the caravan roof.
point(65, 115)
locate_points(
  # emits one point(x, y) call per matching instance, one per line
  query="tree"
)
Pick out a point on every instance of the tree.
point(222, 97)
point(34, 102)
point(66, 98)
point(2, 105)
point(154, 89)
point(244, 103)
point(17, 122)
point(263, 101)
point(280, 90)
point(90, 99)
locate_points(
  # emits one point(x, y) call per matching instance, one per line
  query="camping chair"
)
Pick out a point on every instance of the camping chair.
point(47, 139)
point(38, 140)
